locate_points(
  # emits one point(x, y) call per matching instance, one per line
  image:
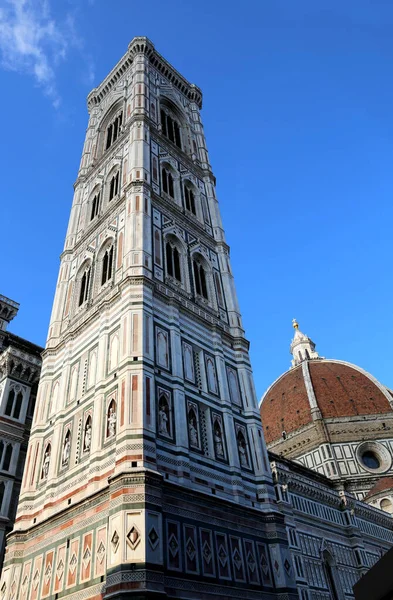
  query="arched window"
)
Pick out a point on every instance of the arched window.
point(14, 404)
point(167, 182)
point(200, 279)
point(173, 261)
point(95, 206)
point(18, 405)
point(170, 128)
point(330, 579)
point(84, 286)
point(10, 402)
point(7, 457)
point(189, 199)
point(2, 490)
point(107, 263)
point(114, 186)
point(113, 130)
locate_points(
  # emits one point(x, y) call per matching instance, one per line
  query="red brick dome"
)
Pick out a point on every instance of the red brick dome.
point(337, 388)
point(384, 484)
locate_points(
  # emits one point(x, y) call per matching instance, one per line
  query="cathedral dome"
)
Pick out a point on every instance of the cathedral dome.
point(329, 388)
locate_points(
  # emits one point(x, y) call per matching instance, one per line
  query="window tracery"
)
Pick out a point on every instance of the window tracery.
point(167, 182)
point(170, 128)
point(173, 268)
point(14, 402)
point(200, 278)
point(189, 198)
point(113, 130)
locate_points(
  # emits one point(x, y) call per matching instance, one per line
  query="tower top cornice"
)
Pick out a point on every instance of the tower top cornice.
point(142, 45)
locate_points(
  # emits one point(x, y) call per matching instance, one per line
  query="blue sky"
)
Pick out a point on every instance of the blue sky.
point(298, 114)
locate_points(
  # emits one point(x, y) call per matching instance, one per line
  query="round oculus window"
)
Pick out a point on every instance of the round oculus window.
point(374, 457)
point(370, 459)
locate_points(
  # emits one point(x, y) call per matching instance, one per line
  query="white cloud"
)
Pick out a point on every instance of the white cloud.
point(32, 42)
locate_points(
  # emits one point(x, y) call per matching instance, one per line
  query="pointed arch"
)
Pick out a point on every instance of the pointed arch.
point(211, 375)
point(92, 369)
point(113, 352)
point(87, 434)
point(111, 419)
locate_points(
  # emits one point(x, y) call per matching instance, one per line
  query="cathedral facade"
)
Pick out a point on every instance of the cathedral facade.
point(147, 474)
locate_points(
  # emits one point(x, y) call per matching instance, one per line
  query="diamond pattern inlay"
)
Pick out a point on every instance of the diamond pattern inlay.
point(134, 537)
point(190, 549)
point(36, 579)
point(173, 545)
point(73, 563)
point(60, 569)
point(222, 555)
point(251, 562)
point(237, 559)
point(153, 538)
point(115, 541)
point(207, 553)
point(101, 552)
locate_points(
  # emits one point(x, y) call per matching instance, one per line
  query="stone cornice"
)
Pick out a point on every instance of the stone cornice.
point(142, 45)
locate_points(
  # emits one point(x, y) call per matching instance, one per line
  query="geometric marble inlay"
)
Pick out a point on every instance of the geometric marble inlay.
point(190, 549)
point(153, 538)
point(73, 563)
point(251, 562)
point(60, 569)
point(173, 545)
point(222, 555)
point(115, 541)
point(86, 557)
point(287, 565)
point(237, 559)
point(101, 552)
point(48, 573)
point(134, 537)
point(207, 553)
point(36, 579)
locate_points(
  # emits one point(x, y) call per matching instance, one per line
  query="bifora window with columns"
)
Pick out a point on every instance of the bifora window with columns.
point(170, 127)
point(113, 130)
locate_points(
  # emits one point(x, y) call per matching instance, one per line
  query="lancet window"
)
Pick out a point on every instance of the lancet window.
point(170, 128)
point(189, 199)
point(167, 183)
point(200, 279)
point(84, 286)
point(173, 261)
point(113, 130)
point(5, 455)
point(95, 206)
point(14, 403)
point(107, 265)
point(114, 186)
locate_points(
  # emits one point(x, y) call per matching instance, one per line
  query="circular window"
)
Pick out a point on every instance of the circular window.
point(386, 505)
point(370, 460)
point(374, 457)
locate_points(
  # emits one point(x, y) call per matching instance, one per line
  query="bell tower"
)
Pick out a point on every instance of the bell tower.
point(147, 472)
